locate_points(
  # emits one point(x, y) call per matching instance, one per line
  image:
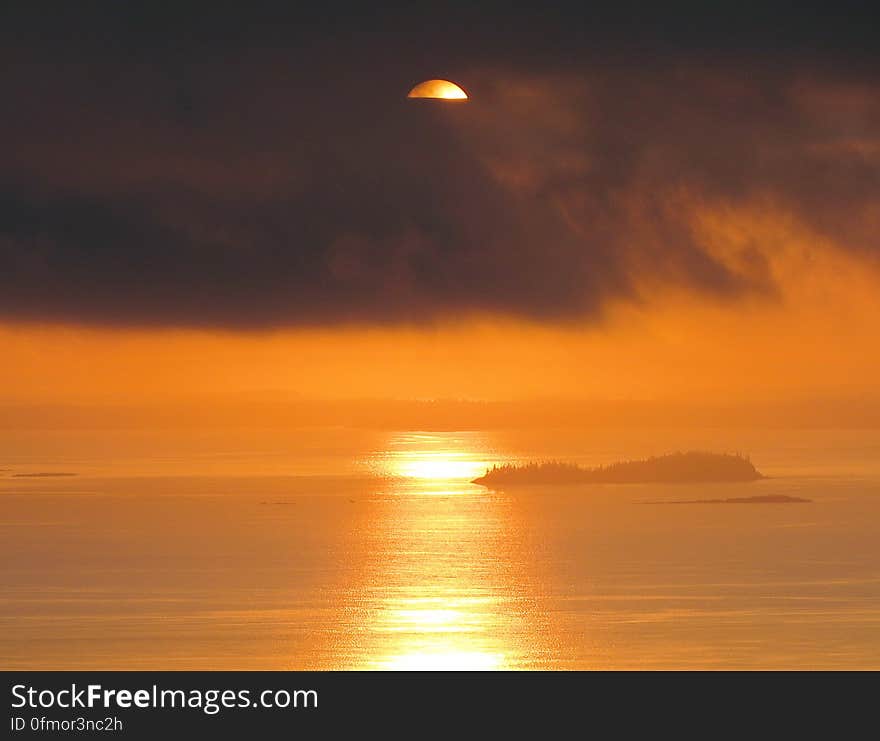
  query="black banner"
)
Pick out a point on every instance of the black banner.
point(256, 704)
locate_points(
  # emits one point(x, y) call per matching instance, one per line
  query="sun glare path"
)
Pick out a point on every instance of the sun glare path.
point(440, 595)
point(452, 661)
point(440, 458)
point(440, 633)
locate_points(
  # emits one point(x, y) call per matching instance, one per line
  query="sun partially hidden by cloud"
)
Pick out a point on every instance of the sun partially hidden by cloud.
point(441, 89)
point(549, 198)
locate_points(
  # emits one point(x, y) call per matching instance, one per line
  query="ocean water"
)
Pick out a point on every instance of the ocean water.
point(358, 549)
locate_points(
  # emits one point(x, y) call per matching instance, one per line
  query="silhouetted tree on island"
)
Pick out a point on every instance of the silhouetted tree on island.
point(689, 467)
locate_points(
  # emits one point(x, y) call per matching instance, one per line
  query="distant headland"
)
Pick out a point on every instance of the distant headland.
point(675, 468)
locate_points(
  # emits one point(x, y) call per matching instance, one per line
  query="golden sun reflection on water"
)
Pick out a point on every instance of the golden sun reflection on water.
point(439, 589)
point(448, 637)
point(445, 661)
point(436, 457)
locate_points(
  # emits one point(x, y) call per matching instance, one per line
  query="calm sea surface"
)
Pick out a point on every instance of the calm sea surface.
point(343, 549)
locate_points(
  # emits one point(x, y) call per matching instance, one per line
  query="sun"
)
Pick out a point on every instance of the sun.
point(438, 90)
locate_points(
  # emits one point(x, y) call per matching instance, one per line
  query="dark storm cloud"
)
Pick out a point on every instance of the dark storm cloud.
point(221, 175)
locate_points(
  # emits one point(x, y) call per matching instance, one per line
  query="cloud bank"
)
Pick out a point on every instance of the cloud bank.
point(297, 187)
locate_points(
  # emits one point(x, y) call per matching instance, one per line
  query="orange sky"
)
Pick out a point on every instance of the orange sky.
point(818, 336)
point(687, 247)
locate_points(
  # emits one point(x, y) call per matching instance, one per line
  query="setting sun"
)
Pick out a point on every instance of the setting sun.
point(441, 89)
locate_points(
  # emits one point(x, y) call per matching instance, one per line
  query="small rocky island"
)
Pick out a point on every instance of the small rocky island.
point(675, 468)
point(766, 499)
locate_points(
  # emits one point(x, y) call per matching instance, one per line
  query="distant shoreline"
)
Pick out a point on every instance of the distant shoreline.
point(766, 499)
point(674, 468)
